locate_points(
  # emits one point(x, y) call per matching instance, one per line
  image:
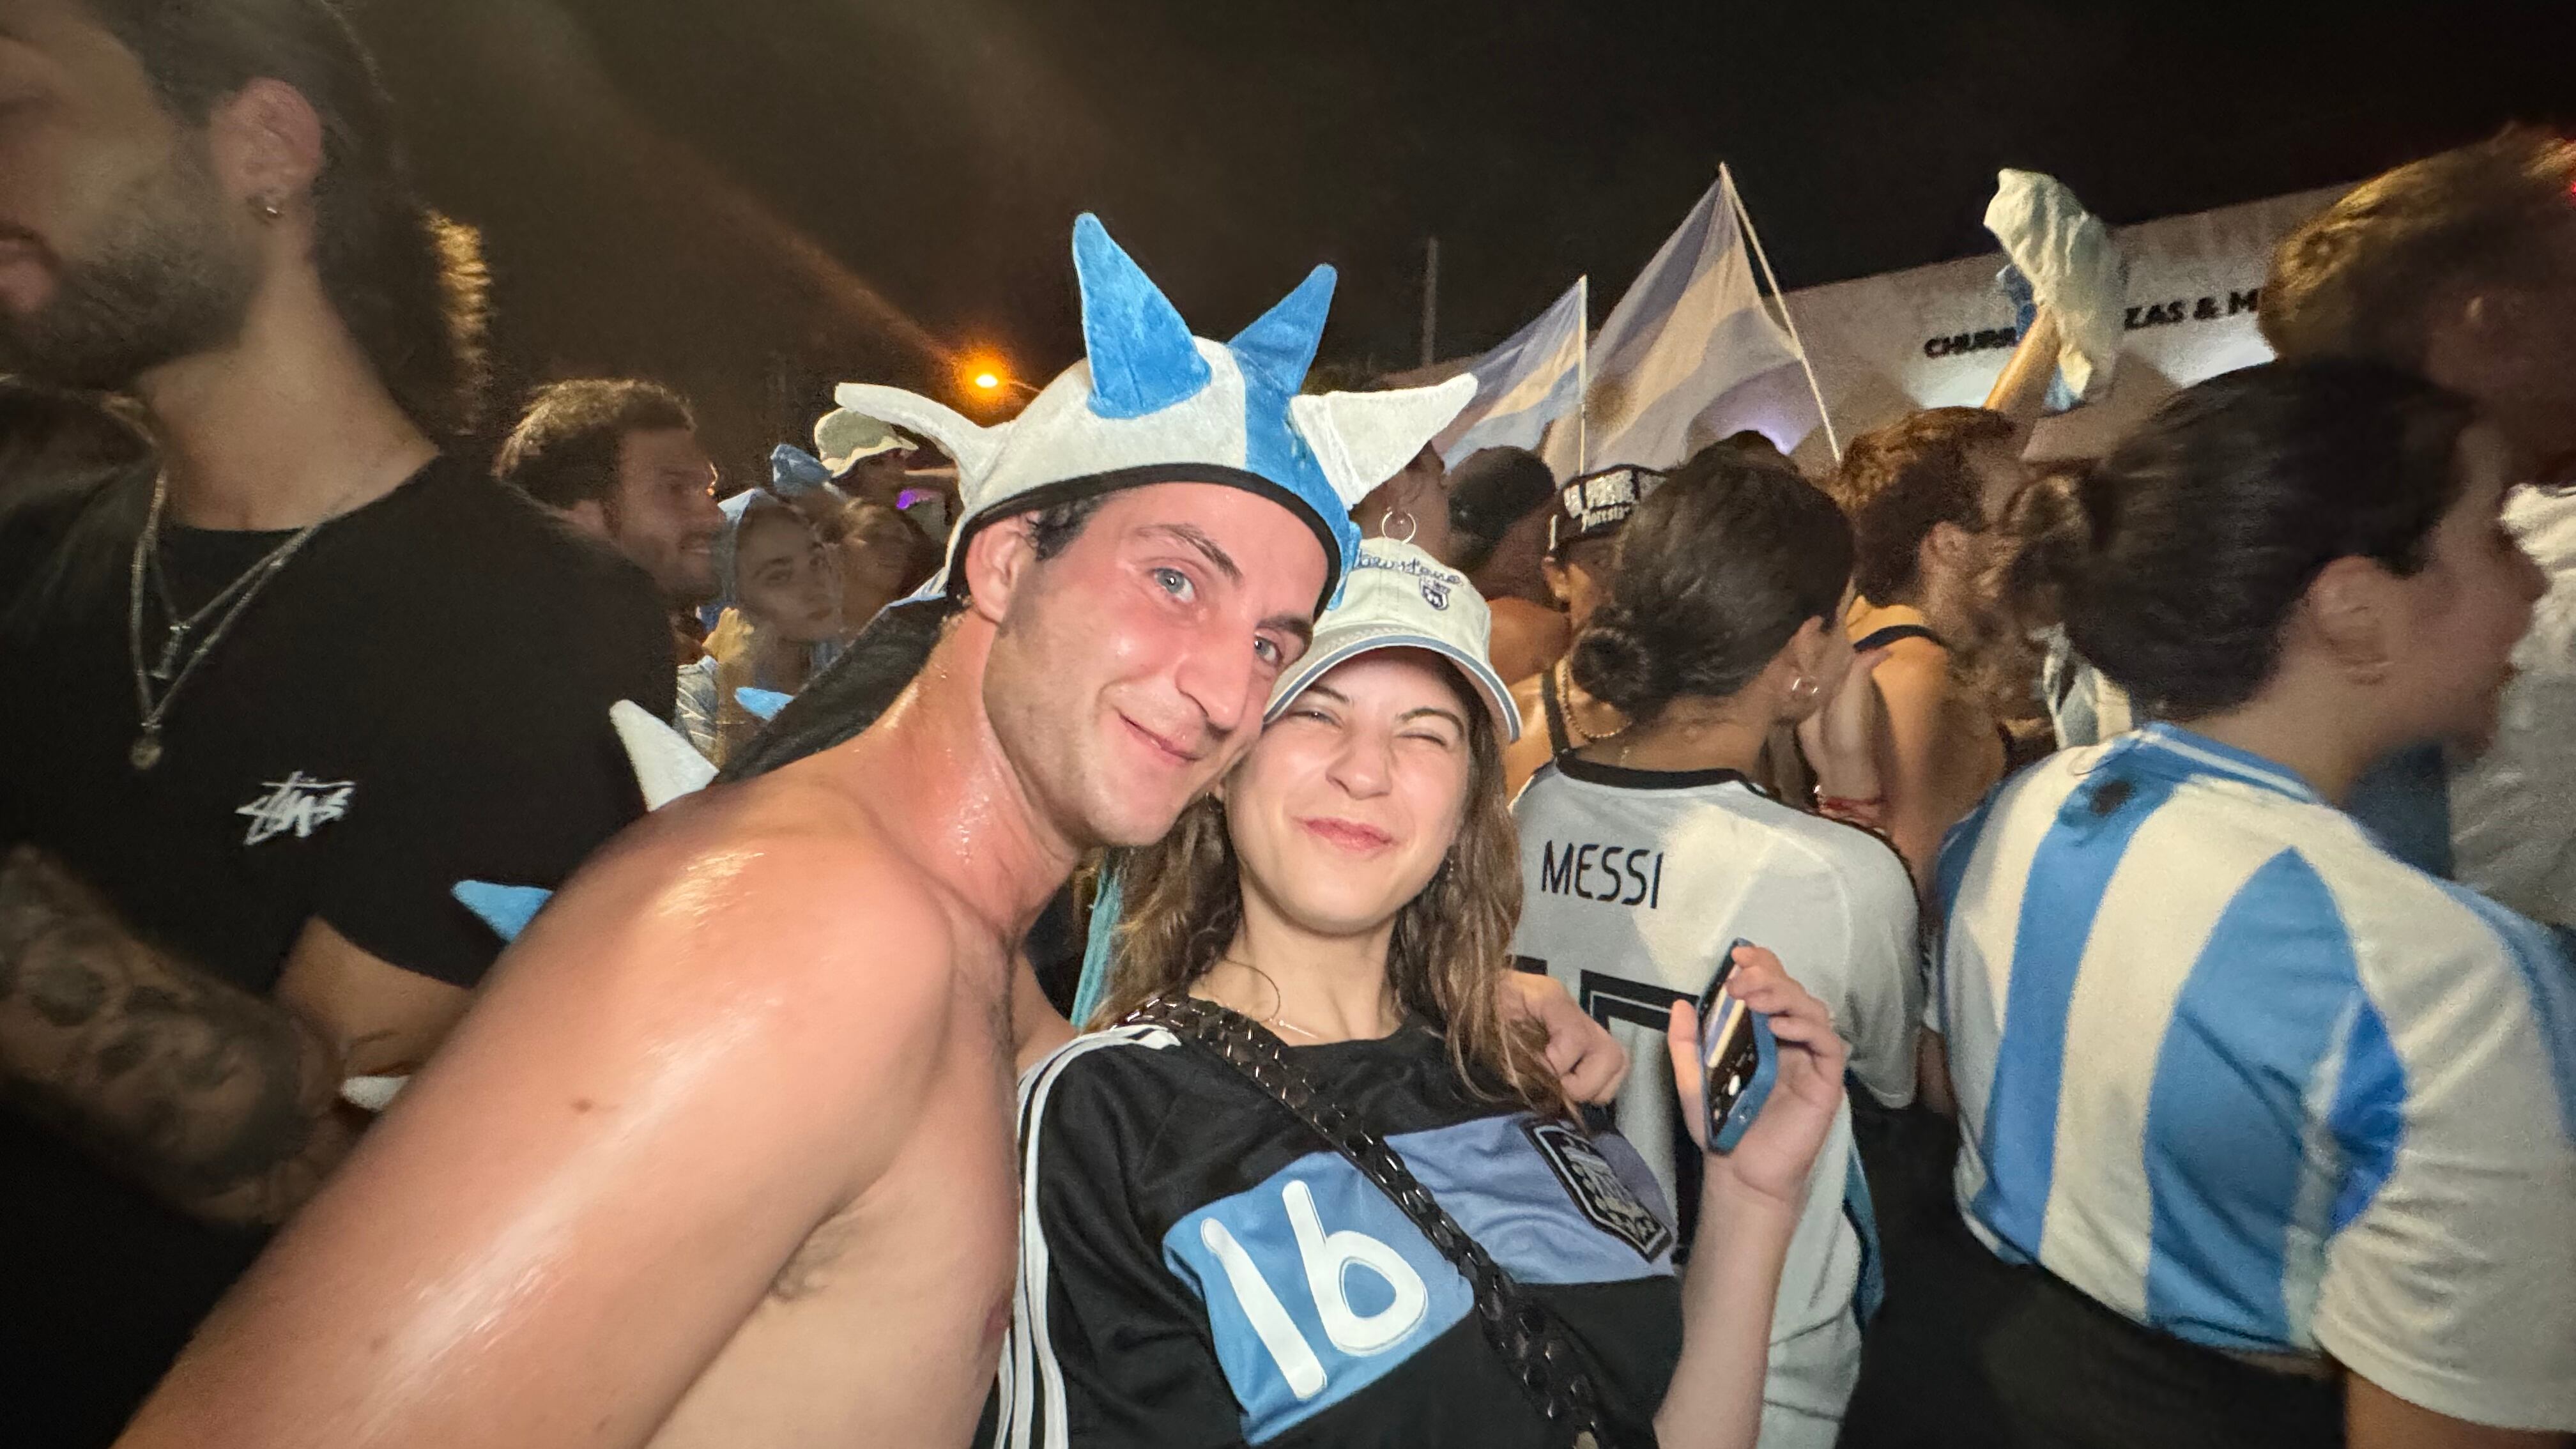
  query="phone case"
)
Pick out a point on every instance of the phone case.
point(1725, 1133)
point(1727, 1119)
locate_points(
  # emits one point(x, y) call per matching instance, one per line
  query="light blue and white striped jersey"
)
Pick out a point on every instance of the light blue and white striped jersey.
point(2232, 1070)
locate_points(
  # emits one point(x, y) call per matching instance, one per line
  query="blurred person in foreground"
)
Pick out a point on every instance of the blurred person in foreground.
point(288, 680)
point(2280, 1129)
point(752, 1071)
point(2462, 267)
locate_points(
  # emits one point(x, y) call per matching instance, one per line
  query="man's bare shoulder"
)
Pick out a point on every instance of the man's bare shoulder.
point(748, 894)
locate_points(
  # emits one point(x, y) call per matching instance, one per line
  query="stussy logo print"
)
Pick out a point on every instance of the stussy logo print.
point(295, 803)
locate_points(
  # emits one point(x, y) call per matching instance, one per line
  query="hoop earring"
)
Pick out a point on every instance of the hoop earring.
point(267, 208)
point(1386, 525)
point(1803, 689)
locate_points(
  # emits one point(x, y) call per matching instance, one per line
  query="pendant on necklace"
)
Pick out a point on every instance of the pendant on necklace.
point(147, 750)
point(170, 654)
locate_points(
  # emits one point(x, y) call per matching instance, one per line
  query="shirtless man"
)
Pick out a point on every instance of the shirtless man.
point(724, 1156)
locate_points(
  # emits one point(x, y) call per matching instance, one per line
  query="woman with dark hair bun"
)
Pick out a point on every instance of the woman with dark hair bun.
point(2286, 1127)
point(1647, 854)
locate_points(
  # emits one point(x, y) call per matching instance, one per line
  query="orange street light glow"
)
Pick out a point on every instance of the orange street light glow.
point(987, 381)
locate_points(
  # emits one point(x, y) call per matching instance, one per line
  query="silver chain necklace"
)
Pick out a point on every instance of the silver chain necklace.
point(171, 670)
point(1274, 1019)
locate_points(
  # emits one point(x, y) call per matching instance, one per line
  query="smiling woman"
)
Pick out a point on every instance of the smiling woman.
point(1331, 925)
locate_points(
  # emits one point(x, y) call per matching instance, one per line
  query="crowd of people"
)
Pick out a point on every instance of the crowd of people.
point(2141, 885)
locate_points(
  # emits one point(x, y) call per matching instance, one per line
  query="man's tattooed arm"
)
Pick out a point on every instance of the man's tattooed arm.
point(221, 1102)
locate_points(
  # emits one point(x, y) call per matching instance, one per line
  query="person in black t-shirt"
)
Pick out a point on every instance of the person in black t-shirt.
point(1196, 1269)
point(271, 698)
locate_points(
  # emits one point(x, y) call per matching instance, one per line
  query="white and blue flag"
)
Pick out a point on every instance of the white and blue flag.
point(1691, 329)
point(1528, 382)
point(2064, 259)
point(2233, 1071)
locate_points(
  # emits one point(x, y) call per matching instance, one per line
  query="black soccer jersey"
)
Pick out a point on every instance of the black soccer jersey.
point(1197, 1268)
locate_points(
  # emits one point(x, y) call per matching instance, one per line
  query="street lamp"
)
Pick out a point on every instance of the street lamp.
point(987, 379)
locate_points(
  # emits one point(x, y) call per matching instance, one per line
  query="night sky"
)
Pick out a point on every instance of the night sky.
point(751, 199)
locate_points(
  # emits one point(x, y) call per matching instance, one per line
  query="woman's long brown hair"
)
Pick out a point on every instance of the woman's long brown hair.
point(1452, 943)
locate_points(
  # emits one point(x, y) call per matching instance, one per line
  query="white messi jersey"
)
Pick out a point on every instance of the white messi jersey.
point(1635, 883)
point(2236, 1073)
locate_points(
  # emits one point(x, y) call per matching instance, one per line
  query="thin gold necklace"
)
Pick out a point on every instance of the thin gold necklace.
point(1575, 734)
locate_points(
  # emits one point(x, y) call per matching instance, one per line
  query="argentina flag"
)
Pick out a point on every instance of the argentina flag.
point(1690, 330)
point(1528, 382)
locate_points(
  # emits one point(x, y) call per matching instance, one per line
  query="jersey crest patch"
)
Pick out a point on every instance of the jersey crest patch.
point(1597, 1188)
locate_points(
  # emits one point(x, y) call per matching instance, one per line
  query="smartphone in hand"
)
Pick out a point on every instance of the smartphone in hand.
point(1737, 1059)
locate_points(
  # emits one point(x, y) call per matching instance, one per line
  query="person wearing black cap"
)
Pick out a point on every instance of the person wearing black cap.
point(1498, 524)
point(1582, 542)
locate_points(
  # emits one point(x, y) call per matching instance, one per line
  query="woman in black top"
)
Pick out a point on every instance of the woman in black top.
point(1199, 1268)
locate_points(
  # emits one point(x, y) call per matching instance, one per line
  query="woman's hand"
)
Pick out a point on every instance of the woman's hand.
point(1588, 1060)
point(1777, 1151)
point(1841, 737)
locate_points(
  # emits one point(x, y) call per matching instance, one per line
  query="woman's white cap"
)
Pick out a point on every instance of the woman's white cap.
point(1399, 597)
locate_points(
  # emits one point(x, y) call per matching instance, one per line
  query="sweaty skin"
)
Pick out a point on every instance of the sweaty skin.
point(724, 1155)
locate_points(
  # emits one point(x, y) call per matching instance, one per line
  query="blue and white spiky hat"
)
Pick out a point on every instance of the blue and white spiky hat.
point(1149, 403)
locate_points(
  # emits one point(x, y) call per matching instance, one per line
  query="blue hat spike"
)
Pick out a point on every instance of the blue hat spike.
point(507, 909)
point(1281, 345)
point(1142, 358)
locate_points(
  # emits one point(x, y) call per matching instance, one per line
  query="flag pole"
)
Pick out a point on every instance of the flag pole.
point(1582, 372)
point(1430, 297)
point(1744, 218)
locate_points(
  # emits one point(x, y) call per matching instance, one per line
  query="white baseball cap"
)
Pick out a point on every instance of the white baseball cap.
point(842, 438)
point(1399, 597)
